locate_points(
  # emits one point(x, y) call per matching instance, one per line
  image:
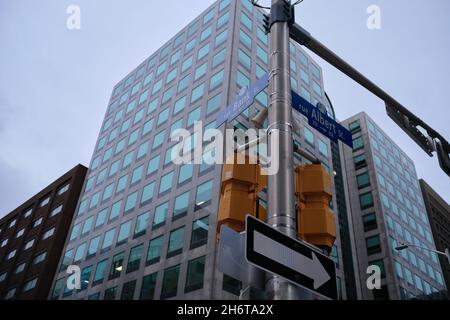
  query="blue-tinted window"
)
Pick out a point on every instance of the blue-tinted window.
point(166, 183)
point(223, 20)
point(115, 210)
point(184, 83)
point(179, 105)
point(160, 214)
point(142, 151)
point(197, 93)
point(245, 39)
point(163, 116)
point(152, 106)
point(246, 21)
point(205, 33)
point(221, 38)
point(245, 60)
point(219, 58)
point(200, 71)
point(158, 140)
point(193, 116)
point(216, 80)
point(147, 193)
point(242, 80)
point(213, 104)
point(309, 136)
point(187, 63)
point(130, 204)
point(122, 184)
point(137, 175)
point(153, 165)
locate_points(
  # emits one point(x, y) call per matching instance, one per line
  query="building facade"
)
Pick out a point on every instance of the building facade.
point(438, 211)
point(145, 227)
point(388, 210)
point(33, 235)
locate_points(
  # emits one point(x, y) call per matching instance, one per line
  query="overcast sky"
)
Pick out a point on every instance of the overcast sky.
point(55, 83)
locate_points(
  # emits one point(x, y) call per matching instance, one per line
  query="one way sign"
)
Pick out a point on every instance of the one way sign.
point(289, 258)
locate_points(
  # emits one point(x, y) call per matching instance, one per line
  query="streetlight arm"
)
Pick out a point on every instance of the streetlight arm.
point(406, 246)
point(406, 120)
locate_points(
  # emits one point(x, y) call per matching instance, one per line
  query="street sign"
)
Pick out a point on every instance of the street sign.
point(243, 101)
point(296, 261)
point(321, 121)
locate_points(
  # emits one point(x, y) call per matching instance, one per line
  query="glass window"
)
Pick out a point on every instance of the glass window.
point(116, 266)
point(193, 116)
point(134, 260)
point(141, 224)
point(214, 104)
point(195, 272)
point(153, 165)
point(176, 242)
point(223, 20)
point(245, 39)
point(122, 184)
point(358, 143)
point(79, 253)
point(204, 193)
point(152, 106)
point(309, 136)
point(219, 58)
point(197, 93)
point(366, 200)
point(181, 205)
point(323, 148)
point(115, 210)
point(87, 225)
point(203, 52)
point(137, 175)
point(216, 80)
point(179, 105)
point(363, 180)
point(147, 193)
point(158, 140)
point(128, 290)
point(199, 235)
point(221, 38)
point(171, 75)
point(93, 247)
point(166, 183)
point(373, 245)
point(370, 222)
point(108, 239)
point(110, 294)
point(200, 71)
point(154, 250)
point(187, 63)
point(131, 202)
point(245, 60)
point(148, 287)
point(262, 54)
point(170, 282)
point(160, 214)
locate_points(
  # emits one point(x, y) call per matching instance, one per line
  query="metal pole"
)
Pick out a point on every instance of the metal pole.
point(281, 201)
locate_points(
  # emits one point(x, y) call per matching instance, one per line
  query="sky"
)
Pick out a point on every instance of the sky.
point(55, 83)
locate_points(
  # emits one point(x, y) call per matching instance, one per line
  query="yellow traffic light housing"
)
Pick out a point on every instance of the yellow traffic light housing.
point(241, 183)
point(315, 222)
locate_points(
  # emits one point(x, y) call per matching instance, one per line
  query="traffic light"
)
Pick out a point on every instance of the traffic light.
point(315, 222)
point(241, 183)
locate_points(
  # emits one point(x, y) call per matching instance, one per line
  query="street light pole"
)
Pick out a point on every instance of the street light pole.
point(281, 199)
point(406, 246)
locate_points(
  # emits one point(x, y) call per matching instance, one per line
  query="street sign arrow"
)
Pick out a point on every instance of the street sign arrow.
point(289, 258)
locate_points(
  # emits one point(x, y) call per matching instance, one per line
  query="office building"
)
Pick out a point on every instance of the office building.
point(32, 238)
point(438, 211)
point(388, 210)
point(145, 227)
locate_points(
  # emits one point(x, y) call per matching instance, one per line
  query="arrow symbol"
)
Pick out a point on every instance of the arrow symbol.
point(309, 267)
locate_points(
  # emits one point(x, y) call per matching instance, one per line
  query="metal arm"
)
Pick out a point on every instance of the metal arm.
point(410, 123)
point(406, 246)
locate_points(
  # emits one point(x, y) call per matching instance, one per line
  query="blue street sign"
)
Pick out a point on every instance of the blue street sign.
point(243, 101)
point(321, 121)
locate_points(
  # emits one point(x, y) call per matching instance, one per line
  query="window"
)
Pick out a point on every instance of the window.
point(147, 193)
point(200, 71)
point(203, 52)
point(204, 194)
point(216, 80)
point(366, 200)
point(160, 215)
point(373, 245)
point(197, 93)
point(170, 282)
point(124, 232)
point(354, 126)
point(93, 247)
point(179, 105)
point(79, 253)
point(148, 287)
point(193, 116)
point(39, 258)
point(137, 175)
point(110, 294)
point(115, 210)
point(309, 136)
point(176, 242)
point(100, 272)
point(27, 213)
point(244, 39)
point(154, 250)
point(48, 234)
point(231, 285)
point(108, 239)
point(87, 225)
point(166, 183)
point(63, 189)
point(221, 38)
point(12, 254)
point(4, 243)
point(363, 180)
point(181, 205)
point(37, 222)
point(262, 54)
point(30, 285)
point(135, 258)
point(214, 104)
point(19, 269)
point(20, 233)
point(186, 172)
point(195, 272)
point(244, 59)
point(10, 294)
point(323, 148)
point(28, 245)
point(2, 277)
point(152, 106)
point(358, 144)
point(158, 140)
point(219, 58)
point(369, 222)
point(116, 266)
point(128, 290)
point(199, 232)
point(44, 202)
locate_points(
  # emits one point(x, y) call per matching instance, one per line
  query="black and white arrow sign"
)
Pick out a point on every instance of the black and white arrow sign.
point(294, 260)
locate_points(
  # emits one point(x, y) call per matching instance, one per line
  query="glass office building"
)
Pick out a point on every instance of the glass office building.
point(388, 210)
point(145, 227)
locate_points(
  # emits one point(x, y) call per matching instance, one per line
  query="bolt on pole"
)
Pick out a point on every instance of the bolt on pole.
point(281, 199)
